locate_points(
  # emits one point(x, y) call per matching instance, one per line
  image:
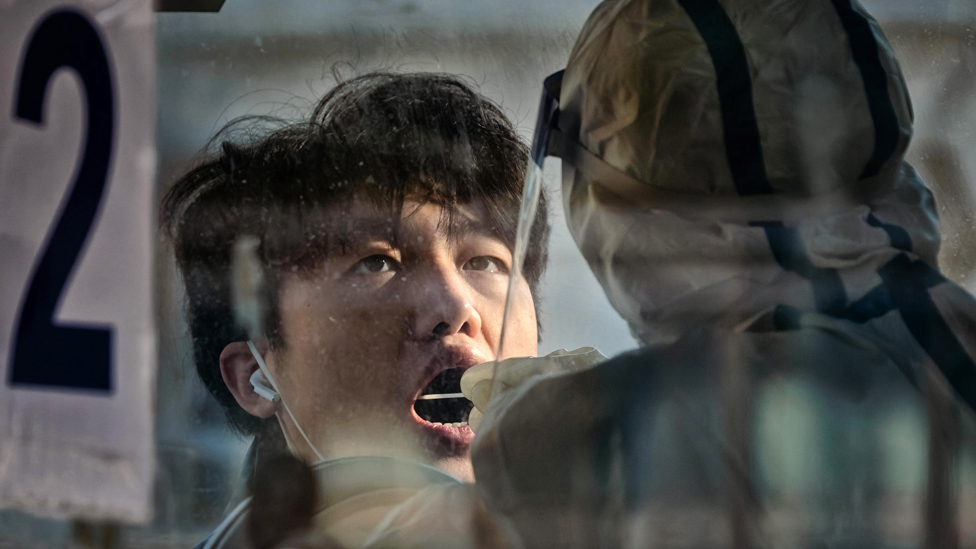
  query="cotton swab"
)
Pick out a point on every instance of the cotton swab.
point(438, 397)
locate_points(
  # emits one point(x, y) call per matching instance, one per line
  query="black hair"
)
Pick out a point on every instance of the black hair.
point(381, 136)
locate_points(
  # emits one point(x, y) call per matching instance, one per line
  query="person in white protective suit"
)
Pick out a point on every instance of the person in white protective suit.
point(734, 174)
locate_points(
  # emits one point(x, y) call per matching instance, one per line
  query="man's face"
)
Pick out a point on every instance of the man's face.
point(390, 316)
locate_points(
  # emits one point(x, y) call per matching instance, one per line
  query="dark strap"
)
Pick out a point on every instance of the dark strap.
point(864, 49)
point(904, 288)
point(743, 147)
point(789, 252)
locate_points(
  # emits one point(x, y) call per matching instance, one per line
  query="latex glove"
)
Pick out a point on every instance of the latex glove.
point(479, 385)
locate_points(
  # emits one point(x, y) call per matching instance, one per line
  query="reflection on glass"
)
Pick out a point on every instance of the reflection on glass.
point(360, 296)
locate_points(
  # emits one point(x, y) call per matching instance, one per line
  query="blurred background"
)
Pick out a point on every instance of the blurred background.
point(277, 58)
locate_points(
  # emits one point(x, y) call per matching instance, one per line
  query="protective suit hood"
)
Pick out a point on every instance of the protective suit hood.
point(727, 158)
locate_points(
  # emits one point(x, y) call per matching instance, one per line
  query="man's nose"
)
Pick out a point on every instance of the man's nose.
point(444, 306)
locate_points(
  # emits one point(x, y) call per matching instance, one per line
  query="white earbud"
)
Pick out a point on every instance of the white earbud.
point(260, 380)
point(262, 388)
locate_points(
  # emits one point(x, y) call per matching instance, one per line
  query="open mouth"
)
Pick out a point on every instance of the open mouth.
point(445, 411)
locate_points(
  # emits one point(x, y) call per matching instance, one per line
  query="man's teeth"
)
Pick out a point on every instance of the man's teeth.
point(455, 424)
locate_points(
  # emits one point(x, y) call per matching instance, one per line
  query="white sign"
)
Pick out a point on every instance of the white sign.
point(77, 343)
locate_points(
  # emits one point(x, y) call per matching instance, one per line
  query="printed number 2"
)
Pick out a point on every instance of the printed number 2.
point(44, 353)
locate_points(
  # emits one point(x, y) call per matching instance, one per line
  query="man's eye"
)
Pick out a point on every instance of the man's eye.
point(375, 264)
point(485, 263)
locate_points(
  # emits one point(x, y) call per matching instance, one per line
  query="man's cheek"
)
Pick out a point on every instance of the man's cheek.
point(352, 351)
point(522, 333)
point(368, 347)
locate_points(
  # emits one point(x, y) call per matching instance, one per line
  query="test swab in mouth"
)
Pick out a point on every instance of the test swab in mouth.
point(441, 400)
point(440, 396)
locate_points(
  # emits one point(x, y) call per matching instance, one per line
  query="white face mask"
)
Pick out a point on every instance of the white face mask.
point(260, 381)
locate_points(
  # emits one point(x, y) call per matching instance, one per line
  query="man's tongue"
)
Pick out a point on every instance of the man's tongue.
point(445, 410)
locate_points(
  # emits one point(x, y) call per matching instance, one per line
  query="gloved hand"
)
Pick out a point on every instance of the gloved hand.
point(543, 445)
point(488, 381)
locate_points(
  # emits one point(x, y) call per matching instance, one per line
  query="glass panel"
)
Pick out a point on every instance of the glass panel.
point(366, 249)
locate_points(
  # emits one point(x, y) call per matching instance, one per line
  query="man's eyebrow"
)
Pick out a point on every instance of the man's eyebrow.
point(460, 225)
point(357, 231)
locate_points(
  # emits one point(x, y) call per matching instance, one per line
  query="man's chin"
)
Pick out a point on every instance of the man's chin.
point(458, 467)
point(449, 448)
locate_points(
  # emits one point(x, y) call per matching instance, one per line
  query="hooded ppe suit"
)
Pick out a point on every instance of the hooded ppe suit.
point(734, 175)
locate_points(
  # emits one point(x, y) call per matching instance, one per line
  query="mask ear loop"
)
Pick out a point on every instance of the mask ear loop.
point(267, 374)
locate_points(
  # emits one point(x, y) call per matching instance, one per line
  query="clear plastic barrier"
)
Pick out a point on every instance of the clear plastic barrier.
point(729, 264)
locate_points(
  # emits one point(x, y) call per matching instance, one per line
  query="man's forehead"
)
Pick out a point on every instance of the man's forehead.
point(360, 220)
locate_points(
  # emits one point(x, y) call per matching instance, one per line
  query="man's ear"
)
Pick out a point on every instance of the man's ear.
point(237, 364)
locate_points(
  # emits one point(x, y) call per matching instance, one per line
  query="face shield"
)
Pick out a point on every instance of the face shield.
point(546, 123)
